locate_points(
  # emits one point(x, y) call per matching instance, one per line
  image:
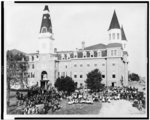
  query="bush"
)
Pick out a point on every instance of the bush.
point(134, 77)
point(65, 84)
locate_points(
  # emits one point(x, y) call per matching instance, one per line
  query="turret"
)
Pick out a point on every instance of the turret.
point(114, 30)
point(46, 34)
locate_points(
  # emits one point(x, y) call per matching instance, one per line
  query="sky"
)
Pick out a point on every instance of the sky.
point(74, 23)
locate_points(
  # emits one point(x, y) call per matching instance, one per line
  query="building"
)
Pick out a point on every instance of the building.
point(48, 64)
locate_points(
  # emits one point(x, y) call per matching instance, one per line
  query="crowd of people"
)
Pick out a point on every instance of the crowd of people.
point(108, 94)
point(39, 101)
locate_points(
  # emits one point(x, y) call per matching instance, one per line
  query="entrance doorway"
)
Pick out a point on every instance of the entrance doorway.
point(113, 84)
point(44, 80)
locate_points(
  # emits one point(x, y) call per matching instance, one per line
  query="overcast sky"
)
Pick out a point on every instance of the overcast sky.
point(74, 23)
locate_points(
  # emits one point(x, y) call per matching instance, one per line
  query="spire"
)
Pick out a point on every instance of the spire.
point(46, 8)
point(46, 25)
point(123, 37)
point(114, 22)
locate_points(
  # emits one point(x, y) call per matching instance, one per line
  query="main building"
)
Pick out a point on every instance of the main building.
point(46, 65)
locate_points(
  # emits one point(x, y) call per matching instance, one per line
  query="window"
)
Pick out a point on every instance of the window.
point(58, 74)
point(81, 65)
point(37, 56)
point(103, 76)
point(91, 55)
point(75, 76)
point(95, 65)
point(103, 64)
point(115, 52)
point(81, 76)
point(75, 65)
point(32, 58)
point(113, 64)
point(117, 35)
point(88, 65)
point(28, 75)
point(113, 35)
point(66, 66)
point(111, 52)
point(32, 66)
point(33, 75)
point(44, 30)
point(113, 76)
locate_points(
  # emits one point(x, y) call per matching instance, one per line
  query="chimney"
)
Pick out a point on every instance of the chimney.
point(55, 50)
point(83, 45)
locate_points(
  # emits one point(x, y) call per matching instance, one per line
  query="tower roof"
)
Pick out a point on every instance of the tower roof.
point(114, 22)
point(46, 25)
point(46, 8)
point(123, 37)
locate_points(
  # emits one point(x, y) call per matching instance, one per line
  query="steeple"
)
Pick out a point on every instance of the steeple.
point(114, 22)
point(46, 25)
point(123, 37)
point(46, 35)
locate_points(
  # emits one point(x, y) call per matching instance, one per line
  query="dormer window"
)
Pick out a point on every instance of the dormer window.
point(75, 54)
point(84, 54)
point(99, 53)
point(91, 53)
point(68, 56)
point(63, 57)
point(44, 30)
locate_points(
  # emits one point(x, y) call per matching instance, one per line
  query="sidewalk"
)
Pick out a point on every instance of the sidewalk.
point(120, 108)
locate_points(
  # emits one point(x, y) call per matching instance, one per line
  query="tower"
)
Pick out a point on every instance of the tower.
point(116, 33)
point(46, 34)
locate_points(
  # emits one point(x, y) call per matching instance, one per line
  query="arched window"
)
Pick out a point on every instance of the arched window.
point(44, 29)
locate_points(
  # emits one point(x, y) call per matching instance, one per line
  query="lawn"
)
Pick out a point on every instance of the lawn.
point(78, 108)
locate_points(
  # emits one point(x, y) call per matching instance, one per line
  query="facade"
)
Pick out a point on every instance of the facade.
point(48, 64)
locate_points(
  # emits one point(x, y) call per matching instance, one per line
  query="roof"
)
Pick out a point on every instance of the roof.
point(97, 46)
point(123, 34)
point(114, 22)
point(111, 45)
point(64, 51)
point(46, 22)
point(46, 8)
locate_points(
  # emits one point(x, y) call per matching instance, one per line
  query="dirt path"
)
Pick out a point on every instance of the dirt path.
point(120, 108)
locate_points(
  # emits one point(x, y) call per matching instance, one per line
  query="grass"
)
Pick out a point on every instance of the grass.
point(79, 108)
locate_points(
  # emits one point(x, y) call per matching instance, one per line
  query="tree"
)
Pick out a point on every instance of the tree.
point(16, 70)
point(93, 80)
point(65, 84)
point(134, 77)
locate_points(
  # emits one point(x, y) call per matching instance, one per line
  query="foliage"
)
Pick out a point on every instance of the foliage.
point(65, 84)
point(93, 80)
point(16, 68)
point(134, 77)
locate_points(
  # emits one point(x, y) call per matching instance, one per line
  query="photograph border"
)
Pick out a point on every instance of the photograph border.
point(42, 117)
